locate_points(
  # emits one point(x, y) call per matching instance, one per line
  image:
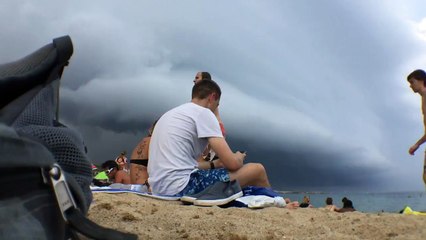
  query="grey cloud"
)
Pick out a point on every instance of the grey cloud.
point(306, 84)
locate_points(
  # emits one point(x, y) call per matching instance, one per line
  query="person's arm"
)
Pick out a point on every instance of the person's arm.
point(229, 160)
point(416, 146)
point(216, 113)
point(222, 128)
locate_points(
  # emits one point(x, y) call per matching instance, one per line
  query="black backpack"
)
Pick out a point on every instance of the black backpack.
point(45, 172)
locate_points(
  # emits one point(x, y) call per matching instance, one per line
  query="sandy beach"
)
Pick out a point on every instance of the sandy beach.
point(158, 219)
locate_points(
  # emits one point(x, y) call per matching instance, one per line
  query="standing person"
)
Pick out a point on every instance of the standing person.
point(417, 80)
point(139, 159)
point(208, 154)
point(206, 76)
point(201, 76)
point(180, 136)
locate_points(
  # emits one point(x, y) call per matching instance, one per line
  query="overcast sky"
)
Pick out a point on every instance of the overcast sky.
point(314, 90)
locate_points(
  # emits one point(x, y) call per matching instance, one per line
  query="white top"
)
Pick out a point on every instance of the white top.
point(179, 138)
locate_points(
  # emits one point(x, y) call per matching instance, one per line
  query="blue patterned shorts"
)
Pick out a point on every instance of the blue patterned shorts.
point(201, 179)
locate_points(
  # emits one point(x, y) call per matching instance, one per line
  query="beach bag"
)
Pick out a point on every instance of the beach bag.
point(45, 172)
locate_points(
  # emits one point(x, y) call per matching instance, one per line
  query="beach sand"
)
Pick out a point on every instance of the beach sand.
point(157, 219)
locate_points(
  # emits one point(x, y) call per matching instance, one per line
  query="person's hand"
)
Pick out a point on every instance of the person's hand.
point(218, 163)
point(242, 152)
point(241, 156)
point(413, 149)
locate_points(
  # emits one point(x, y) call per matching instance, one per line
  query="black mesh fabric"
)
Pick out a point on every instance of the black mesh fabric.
point(66, 145)
point(27, 64)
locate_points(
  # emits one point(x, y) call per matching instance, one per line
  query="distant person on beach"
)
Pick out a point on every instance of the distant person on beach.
point(306, 202)
point(291, 204)
point(347, 206)
point(329, 204)
point(114, 173)
point(181, 135)
point(201, 76)
point(417, 80)
point(139, 159)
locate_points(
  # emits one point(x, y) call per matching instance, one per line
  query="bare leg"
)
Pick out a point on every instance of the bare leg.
point(251, 174)
point(424, 170)
point(292, 205)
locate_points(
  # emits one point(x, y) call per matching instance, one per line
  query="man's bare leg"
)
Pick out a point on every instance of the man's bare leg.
point(251, 174)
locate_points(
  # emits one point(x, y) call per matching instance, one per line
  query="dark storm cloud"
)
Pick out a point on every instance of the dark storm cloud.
point(313, 90)
point(313, 169)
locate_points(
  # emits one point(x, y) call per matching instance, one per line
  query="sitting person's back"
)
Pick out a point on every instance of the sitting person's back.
point(306, 202)
point(329, 204)
point(139, 159)
point(114, 173)
point(347, 206)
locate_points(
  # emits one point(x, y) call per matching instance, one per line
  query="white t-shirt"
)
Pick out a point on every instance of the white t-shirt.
point(179, 138)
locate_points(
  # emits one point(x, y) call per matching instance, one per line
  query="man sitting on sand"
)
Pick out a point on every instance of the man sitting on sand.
point(181, 135)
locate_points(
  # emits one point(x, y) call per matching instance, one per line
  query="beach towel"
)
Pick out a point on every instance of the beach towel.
point(407, 210)
point(138, 189)
point(257, 197)
point(261, 201)
point(255, 191)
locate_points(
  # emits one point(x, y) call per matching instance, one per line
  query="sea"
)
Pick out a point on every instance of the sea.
point(392, 202)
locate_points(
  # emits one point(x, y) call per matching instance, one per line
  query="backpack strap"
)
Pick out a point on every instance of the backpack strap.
point(72, 215)
point(90, 229)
